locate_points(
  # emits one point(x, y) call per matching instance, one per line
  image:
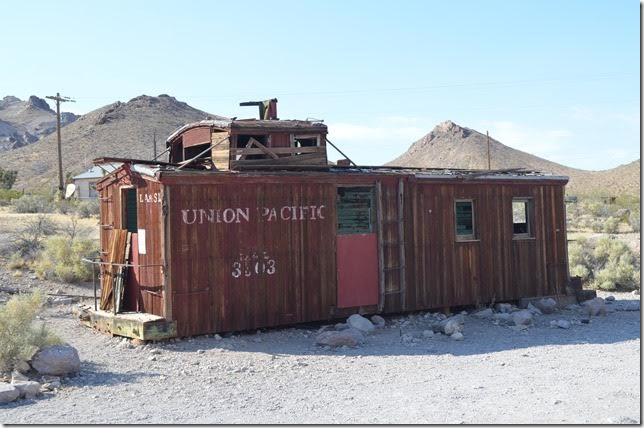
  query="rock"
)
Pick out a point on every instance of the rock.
point(534, 310)
point(463, 312)
point(50, 386)
point(484, 314)
point(360, 323)
point(341, 326)
point(8, 393)
point(350, 337)
point(407, 338)
point(155, 351)
point(137, 342)
point(56, 360)
point(565, 324)
point(453, 325)
point(428, 334)
point(22, 366)
point(504, 308)
point(585, 320)
point(378, 321)
point(522, 317)
point(217, 337)
point(28, 389)
point(62, 301)
point(595, 307)
point(16, 376)
point(635, 292)
point(152, 358)
point(502, 317)
point(547, 305)
point(458, 336)
point(610, 298)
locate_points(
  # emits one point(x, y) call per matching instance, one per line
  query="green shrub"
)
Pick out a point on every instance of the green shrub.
point(87, 209)
point(634, 220)
point(66, 206)
point(7, 196)
point(611, 225)
point(20, 338)
point(16, 261)
point(33, 204)
point(61, 259)
point(609, 264)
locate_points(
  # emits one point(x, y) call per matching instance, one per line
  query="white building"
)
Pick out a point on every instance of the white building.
point(85, 181)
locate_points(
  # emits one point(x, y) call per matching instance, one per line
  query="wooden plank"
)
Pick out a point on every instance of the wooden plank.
point(381, 261)
point(221, 156)
point(278, 150)
point(401, 240)
point(303, 160)
point(263, 148)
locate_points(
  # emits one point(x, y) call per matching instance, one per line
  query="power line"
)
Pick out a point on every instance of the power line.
point(59, 100)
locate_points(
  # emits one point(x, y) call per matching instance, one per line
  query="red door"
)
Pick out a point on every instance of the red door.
point(356, 248)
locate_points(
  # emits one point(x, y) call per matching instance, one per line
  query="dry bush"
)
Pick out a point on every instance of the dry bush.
point(33, 204)
point(28, 241)
point(609, 264)
point(61, 259)
point(20, 337)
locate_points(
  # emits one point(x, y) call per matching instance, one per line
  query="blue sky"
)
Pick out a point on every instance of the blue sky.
point(559, 79)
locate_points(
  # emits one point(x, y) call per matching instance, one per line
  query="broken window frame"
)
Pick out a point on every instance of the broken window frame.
point(527, 203)
point(469, 236)
point(259, 137)
point(295, 137)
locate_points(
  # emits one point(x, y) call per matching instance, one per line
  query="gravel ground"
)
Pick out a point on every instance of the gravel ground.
point(587, 374)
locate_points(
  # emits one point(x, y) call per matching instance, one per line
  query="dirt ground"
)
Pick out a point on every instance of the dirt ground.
point(587, 374)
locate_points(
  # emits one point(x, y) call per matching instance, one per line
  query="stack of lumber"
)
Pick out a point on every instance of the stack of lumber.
point(112, 277)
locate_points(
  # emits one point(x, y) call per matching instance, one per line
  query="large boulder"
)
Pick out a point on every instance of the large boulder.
point(8, 393)
point(522, 318)
point(57, 360)
point(546, 306)
point(595, 306)
point(348, 337)
point(360, 323)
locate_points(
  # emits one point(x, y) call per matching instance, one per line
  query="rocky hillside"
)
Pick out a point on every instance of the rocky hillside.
point(119, 129)
point(24, 122)
point(453, 146)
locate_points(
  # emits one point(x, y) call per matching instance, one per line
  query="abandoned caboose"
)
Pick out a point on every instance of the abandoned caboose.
point(248, 226)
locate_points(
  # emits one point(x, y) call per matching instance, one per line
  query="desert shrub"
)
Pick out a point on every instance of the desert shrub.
point(61, 259)
point(28, 241)
point(87, 209)
point(611, 225)
point(33, 204)
point(597, 225)
point(7, 178)
point(634, 220)
point(66, 206)
point(609, 264)
point(17, 261)
point(7, 196)
point(20, 337)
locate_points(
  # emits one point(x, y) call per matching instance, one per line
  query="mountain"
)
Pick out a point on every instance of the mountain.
point(24, 122)
point(118, 130)
point(449, 145)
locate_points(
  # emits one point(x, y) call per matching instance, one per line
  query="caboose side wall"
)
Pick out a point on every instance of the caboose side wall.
point(145, 286)
point(212, 291)
point(442, 271)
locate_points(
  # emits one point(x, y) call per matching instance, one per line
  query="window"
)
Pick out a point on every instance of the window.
point(464, 219)
point(306, 141)
point(521, 213)
point(128, 209)
point(355, 210)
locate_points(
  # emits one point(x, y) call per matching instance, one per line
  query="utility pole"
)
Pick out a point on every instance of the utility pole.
point(59, 100)
point(489, 167)
point(154, 141)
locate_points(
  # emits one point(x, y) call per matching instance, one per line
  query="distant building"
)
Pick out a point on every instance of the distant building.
point(85, 181)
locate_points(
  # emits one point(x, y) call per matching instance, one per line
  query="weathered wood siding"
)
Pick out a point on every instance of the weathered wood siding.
point(145, 290)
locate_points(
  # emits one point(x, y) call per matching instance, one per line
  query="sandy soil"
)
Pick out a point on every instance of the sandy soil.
point(587, 374)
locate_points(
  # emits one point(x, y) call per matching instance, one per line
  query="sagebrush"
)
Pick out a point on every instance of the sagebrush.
point(61, 259)
point(607, 264)
point(20, 335)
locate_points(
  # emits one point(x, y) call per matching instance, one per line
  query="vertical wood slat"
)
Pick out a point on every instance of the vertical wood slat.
point(381, 257)
point(401, 241)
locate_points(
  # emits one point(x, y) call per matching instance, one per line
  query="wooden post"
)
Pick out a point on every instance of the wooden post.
point(58, 100)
